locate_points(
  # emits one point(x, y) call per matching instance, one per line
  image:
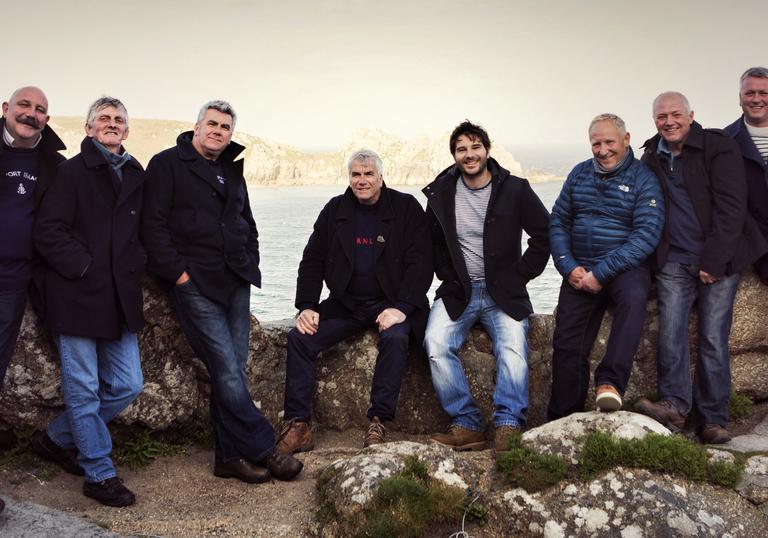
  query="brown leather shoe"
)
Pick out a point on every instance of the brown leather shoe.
point(295, 437)
point(714, 434)
point(459, 438)
point(662, 411)
point(376, 433)
point(282, 466)
point(241, 469)
point(607, 398)
point(43, 446)
point(502, 436)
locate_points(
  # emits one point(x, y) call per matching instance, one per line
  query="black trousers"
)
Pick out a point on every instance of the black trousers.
point(578, 319)
point(387, 376)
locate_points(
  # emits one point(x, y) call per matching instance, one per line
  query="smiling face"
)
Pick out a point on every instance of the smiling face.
point(609, 144)
point(213, 134)
point(109, 127)
point(365, 181)
point(26, 114)
point(753, 99)
point(673, 121)
point(471, 157)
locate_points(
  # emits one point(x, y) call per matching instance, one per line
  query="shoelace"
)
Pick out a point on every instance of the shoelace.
point(376, 430)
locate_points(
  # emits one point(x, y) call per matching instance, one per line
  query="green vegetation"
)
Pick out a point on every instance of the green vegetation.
point(22, 457)
point(528, 469)
point(141, 449)
point(327, 511)
point(739, 406)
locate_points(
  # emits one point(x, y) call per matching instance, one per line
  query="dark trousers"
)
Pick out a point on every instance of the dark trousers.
point(12, 304)
point(578, 319)
point(387, 375)
point(219, 336)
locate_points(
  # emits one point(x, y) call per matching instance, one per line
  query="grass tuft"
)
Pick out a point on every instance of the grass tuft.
point(142, 449)
point(528, 469)
point(739, 406)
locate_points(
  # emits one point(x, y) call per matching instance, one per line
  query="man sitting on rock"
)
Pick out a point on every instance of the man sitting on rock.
point(371, 247)
point(604, 225)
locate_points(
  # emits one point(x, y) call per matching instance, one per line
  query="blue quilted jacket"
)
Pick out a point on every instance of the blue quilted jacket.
point(607, 223)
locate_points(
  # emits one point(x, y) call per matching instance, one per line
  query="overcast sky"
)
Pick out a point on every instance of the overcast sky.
point(309, 73)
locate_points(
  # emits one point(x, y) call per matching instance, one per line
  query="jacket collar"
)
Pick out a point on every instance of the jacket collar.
point(748, 149)
point(187, 151)
point(50, 143)
point(93, 157)
point(349, 202)
point(450, 175)
point(695, 139)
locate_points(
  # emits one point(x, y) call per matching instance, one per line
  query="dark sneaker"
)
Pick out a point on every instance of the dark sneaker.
point(376, 433)
point(502, 436)
point(607, 398)
point(459, 438)
point(110, 492)
point(662, 411)
point(714, 434)
point(242, 470)
point(282, 466)
point(295, 437)
point(43, 446)
point(2, 506)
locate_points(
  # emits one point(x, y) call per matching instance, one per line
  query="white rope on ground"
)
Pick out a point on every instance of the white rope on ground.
point(462, 533)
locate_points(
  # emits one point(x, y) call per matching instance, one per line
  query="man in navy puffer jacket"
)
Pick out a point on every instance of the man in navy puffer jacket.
point(605, 223)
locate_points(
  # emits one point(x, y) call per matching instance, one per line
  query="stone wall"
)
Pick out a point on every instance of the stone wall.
point(175, 390)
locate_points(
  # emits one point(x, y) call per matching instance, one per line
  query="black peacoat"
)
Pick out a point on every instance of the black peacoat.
point(402, 251)
point(192, 223)
point(87, 231)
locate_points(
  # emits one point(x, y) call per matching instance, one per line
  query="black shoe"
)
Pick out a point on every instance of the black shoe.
point(242, 470)
point(282, 466)
point(2, 506)
point(43, 446)
point(110, 492)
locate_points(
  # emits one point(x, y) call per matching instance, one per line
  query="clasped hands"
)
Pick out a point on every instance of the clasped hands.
point(584, 280)
point(309, 320)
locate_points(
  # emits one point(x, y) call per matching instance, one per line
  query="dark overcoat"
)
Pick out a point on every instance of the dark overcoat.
point(192, 224)
point(512, 208)
point(714, 178)
point(87, 231)
point(756, 173)
point(402, 251)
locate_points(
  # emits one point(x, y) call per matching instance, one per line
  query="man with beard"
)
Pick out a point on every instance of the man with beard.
point(87, 232)
point(477, 212)
point(202, 242)
point(751, 134)
point(605, 223)
point(29, 154)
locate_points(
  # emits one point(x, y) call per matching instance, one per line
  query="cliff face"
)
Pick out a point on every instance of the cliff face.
point(267, 163)
point(176, 389)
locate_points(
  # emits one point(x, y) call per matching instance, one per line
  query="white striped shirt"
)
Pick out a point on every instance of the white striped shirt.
point(471, 206)
point(760, 138)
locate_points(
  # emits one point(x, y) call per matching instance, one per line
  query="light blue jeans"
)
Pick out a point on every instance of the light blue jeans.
point(99, 378)
point(443, 339)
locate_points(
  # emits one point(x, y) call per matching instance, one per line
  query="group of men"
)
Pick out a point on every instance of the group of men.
point(691, 213)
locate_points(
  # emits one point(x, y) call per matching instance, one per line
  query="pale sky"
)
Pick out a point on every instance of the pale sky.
point(309, 73)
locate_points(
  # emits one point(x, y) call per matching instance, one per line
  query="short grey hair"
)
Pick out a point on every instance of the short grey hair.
point(683, 98)
point(366, 155)
point(105, 102)
point(221, 106)
point(756, 72)
point(613, 118)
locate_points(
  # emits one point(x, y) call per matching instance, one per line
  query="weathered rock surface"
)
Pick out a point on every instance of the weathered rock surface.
point(176, 388)
point(29, 520)
point(754, 482)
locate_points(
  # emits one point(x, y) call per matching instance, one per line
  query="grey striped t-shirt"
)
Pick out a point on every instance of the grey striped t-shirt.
point(471, 206)
point(760, 138)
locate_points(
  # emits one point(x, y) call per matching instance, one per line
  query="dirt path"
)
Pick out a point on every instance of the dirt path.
point(179, 496)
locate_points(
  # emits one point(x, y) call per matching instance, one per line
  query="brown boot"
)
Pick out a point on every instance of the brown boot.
point(459, 438)
point(662, 411)
point(502, 436)
point(376, 433)
point(295, 437)
point(714, 434)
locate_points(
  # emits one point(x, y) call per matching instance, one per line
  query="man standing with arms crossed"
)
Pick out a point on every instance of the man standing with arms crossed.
point(477, 212)
point(29, 155)
point(202, 241)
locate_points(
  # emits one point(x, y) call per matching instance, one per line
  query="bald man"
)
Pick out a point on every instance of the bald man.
point(29, 155)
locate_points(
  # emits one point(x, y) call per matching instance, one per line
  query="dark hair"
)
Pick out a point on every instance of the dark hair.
point(471, 131)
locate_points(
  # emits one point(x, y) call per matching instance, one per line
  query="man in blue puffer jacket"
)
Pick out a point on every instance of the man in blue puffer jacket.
point(605, 223)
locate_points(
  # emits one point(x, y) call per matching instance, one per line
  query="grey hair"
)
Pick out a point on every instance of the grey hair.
point(365, 155)
point(756, 72)
point(613, 118)
point(104, 102)
point(221, 106)
point(683, 98)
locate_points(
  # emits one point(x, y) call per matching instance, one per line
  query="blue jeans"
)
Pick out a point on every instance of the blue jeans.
point(219, 336)
point(12, 305)
point(99, 378)
point(443, 339)
point(678, 287)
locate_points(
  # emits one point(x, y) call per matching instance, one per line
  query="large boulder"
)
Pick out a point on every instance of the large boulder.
point(176, 389)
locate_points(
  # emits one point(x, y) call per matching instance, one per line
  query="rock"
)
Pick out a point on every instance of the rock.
point(563, 437)
point(30, 520)
point(754, 480)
